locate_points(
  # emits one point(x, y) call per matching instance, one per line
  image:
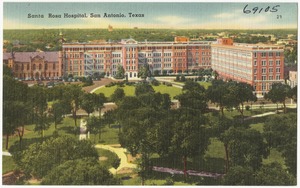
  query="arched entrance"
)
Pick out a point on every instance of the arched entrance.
point(37, 76)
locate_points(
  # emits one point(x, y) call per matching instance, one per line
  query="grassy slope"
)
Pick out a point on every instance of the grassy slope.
point(129, 90)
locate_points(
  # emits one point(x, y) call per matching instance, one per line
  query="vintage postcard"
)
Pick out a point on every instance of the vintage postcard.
point(149, 93)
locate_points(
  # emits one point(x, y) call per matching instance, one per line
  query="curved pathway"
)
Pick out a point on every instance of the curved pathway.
point(121, 154)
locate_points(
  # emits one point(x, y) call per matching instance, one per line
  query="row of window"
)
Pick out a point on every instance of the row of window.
point(264, 70)
point(265, 54)
point(34, 66)
point(264, 63)
point(270, 77)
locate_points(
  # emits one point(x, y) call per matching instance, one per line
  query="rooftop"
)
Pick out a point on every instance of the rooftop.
point(27, 56)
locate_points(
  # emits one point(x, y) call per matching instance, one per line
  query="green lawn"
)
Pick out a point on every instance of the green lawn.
point(129, 90)
point(108, 91)
point(66, 127)
point(275, 156)
point(7, 164)
point(215, 149)
point(205, 84)
point(258, 126)
point(172, 91)
point(109, 155)
point(108, 135)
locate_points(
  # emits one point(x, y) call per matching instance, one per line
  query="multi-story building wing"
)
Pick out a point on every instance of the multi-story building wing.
point(34, 65)
point(259, 65)
point(85, 59)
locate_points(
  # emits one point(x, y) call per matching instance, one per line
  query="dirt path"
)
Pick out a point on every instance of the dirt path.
point(124, 164)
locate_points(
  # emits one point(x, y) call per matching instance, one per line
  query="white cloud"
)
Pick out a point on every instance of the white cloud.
point(173, 20)
point(224, 15)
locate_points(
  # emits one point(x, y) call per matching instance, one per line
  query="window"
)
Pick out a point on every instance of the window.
point(277, 62)
point(263, 87)
point(270, 63)
point(270, 77)
point(263, 54)
point(270, 54)
point(27, 66)
point(255, 55)
point(277, 70)
point(255, 71)
point(263, 63)
point(46, 66)
point(255, 62)
point(270, 70)
point(264, 77)
point(263, 70)
point(277, 53)
point(277, 76)
point(254, 78)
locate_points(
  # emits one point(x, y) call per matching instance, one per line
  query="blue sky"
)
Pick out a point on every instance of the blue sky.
point(177, 15)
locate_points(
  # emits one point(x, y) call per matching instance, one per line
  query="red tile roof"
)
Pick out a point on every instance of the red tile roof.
point(26, 56)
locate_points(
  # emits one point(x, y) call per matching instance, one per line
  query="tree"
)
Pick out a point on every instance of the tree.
point(41, 113)
point(143, 88)
point(100, 99)
point(57, 111)
point(189, 135)
point(95, 125)
point(118, 95)
point(279, 93)
point(238, 94)
point(88, 102)
point(16, 108)
point(245, 147)
point(85, 171)
point(40, 158)
point(293, 93)
point(274, 174)
point(239, 175)
point(144, 72)
point(120, 72)
point(193, 97)
point(156, 72)
point(72, 96)
point(281, 132)
point(217, 93)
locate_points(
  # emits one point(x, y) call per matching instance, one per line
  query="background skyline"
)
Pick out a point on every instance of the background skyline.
point(156, 15)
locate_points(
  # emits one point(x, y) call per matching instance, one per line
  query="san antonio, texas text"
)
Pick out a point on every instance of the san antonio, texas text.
point(85, 15)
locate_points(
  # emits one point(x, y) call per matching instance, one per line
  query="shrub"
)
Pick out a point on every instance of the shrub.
point(247, 107)
point(155, 82)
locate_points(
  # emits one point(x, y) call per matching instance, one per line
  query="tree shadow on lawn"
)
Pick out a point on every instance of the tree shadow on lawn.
point(69, 129)
point(215, 165)
point(208, 164)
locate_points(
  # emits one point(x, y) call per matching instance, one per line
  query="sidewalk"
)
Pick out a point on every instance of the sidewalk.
point(121, 154)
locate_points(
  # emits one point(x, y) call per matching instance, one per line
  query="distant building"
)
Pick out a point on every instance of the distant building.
point(34, 65)
point(287, 42)
point(85, 59)
point(258, 65)
point(293, 81)
point(181, 39)
point(271, 36)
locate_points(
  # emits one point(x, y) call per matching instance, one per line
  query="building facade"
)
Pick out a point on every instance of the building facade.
point(35, 65)
point(258, 65)
point(85, 59)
